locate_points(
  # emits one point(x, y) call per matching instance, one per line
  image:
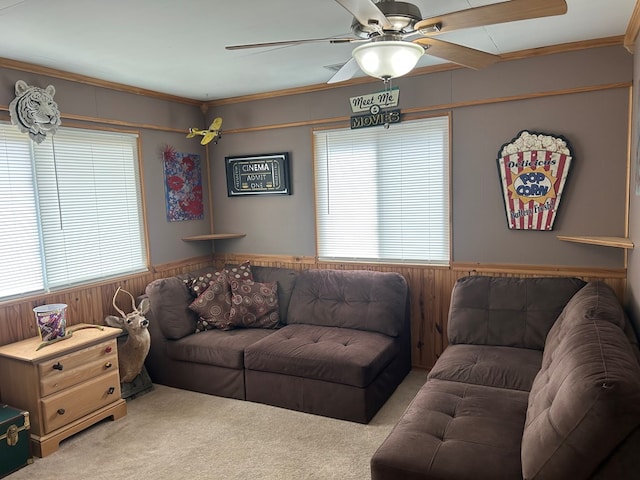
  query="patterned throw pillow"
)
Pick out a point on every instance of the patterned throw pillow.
point(239, 272)
point(254, 304)
point(199, 284)
point(214, 306)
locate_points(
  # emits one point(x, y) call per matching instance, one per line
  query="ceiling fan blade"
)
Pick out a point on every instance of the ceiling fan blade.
point(366, 12)
point(493, 14)
point(289, 42)
point(347, 71)
point(468, 57)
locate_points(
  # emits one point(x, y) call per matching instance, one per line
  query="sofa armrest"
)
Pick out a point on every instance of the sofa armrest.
point(169, 300)
point(507, 311)
point(585, 400)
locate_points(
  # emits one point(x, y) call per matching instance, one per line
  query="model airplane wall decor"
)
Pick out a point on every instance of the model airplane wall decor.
point(212, 133)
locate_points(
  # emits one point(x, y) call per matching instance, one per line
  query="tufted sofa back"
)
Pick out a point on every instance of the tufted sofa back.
point(585, 401)
point(359, 299)
point(507, 311)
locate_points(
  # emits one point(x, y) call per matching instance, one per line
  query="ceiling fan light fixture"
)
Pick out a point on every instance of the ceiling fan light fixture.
point(387, 59)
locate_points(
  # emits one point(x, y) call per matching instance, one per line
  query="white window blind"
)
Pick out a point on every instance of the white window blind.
point(83, 204)
point(20, 258)
point(382, 195)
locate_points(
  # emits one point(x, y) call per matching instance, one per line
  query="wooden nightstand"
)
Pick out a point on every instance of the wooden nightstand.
point(66, 386)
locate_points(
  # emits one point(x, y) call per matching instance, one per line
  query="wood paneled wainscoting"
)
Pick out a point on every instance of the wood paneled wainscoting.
point(430, 288)
point(86, 304)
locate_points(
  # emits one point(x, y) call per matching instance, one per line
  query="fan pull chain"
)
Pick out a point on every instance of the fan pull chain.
point(388, 86)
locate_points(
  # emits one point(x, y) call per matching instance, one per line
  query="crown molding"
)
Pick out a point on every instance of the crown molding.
point(522, 54)
point(96, 82)
point(633, 28)
point(626, 40)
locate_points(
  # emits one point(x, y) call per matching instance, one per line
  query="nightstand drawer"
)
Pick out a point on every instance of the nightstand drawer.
point(75, 402)
point(77, 367)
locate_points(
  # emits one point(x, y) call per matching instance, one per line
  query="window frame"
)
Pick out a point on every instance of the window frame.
point(145, 257)
point(449, 200)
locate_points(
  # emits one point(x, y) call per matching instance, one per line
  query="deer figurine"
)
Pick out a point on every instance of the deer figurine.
point(132, 354)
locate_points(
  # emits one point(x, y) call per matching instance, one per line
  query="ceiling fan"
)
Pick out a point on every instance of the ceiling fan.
point(394, 35)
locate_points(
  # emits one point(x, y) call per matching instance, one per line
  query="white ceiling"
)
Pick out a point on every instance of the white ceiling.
point(177, 47)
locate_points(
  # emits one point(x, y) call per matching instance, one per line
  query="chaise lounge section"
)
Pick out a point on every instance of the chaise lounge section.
point(341, 348)
point(541, 380)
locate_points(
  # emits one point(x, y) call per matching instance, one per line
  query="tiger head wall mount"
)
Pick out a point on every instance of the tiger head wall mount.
point(34, 111)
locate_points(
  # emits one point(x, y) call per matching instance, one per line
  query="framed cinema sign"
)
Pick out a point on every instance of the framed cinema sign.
point(265, 174)
point(533, 170)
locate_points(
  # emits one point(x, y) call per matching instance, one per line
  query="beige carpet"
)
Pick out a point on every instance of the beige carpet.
point(173, 434)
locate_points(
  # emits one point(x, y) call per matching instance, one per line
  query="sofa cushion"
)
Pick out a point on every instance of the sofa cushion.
point(254, 304)
point(169, 299)
point(286, 279)
point(455, 431)
point(494, 366)
point(508, 311)
point(216, 347)
point(586, 398)
point(357, 299)
point(340, 355)
point(202, 279)
point(213, 306)
point(596, 301)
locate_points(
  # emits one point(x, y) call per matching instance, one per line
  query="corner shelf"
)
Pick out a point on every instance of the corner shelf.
point(618, 242)
point(214, 236)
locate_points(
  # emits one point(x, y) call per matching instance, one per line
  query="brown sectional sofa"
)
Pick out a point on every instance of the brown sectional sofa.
point(541, 380)
point(342, 349)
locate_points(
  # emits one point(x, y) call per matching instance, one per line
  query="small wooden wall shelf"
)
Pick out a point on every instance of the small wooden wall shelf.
point(618, 242)
point(214, 236)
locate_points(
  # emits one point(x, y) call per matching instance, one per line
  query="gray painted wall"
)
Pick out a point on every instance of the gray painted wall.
point(77, 99)
point(599, 164)
point(595, 123)
point(275, 224)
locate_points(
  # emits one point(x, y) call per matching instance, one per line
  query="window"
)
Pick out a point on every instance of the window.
point(382, 195)
point(70, 209)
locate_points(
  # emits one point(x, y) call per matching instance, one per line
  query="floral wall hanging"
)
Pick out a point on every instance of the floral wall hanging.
point(34, 111)
point(183, 185)
point(533, 169)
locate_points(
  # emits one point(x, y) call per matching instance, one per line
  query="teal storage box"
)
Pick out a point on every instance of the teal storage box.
point(14, 439)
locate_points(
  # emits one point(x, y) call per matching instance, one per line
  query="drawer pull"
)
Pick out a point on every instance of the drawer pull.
point(111, 390)
point(108, 349)
point(61, 411)
point(108, 365)
point(58, 366)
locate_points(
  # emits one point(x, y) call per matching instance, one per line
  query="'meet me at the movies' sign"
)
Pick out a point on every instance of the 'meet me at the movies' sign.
point(533, 170)
point(384, 99)
point(374, 104)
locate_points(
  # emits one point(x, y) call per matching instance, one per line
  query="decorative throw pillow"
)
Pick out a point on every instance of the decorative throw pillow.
point(239, 272)
point(205, 278)
point(199, 284)
point(254, 304)
point(214, 306)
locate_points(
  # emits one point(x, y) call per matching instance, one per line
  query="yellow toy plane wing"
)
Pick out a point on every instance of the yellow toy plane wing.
point(207, 138)
point(216, 124)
